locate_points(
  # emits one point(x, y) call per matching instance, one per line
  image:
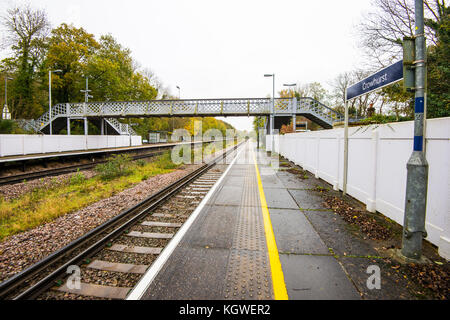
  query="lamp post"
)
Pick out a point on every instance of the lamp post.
point(6, 114)
point(294, 118)
point(272, 118)
point(173, 120)
point(50, 97)
point(417, 167)
point(86, 100)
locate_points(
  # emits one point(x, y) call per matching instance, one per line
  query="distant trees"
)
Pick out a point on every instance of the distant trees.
point(113, 74)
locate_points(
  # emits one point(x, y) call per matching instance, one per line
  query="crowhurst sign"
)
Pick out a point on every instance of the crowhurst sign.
point(382, 78)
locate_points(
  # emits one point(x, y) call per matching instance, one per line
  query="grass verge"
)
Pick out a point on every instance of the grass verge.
point(43, 205)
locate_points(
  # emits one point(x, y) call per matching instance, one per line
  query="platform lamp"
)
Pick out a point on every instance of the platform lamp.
point(6, 114)
point(173, 120)
point(50, 96)
point(294, 121)
point(290, 85)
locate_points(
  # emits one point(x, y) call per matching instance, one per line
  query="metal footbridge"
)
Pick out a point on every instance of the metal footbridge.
point(109, 111)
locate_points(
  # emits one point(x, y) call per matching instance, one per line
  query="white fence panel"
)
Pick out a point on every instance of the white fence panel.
point(21, 144)
point(377, 168)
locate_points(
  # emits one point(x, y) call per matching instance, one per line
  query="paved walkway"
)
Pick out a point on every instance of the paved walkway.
point(228, 254)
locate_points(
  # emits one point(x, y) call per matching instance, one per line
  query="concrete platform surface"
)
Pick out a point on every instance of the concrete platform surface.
point(224, 254)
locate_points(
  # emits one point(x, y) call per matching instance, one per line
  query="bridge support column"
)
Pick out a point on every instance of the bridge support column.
point(294, 114)
point(102, 126)
point(85, 126)
point(68, 118)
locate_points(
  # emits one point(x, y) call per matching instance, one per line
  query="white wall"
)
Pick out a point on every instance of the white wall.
point(377, 168)
point(22, 144)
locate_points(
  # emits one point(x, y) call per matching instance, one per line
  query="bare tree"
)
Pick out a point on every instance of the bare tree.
point(360, 104)
point(382, 31)
point(27, 30)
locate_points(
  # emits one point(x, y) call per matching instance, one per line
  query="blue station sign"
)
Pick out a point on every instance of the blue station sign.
point(382, 78)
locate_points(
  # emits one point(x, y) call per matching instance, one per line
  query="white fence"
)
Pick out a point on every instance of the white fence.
point(22, 144)
point(377, 168)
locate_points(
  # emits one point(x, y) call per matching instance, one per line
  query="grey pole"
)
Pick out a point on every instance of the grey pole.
point(6, 91)
point(272, 117)
point(417, 167)
point(50, 99)
point(294, 107)
point(86, 100)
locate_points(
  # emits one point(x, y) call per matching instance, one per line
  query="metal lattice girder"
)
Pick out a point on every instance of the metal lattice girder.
point(191, 108)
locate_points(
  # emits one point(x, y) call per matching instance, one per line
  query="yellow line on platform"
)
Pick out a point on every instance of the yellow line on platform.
point(279, 286)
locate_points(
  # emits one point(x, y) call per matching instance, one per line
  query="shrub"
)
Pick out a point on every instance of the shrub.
point(165, 162)
point(140, 163)
point(116, 166)
point(77, 178)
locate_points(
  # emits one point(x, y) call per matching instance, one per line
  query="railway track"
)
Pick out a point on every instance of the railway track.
point(16, 178)
point(111, 258)
point(4, 180)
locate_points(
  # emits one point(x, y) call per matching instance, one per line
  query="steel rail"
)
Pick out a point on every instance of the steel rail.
point(136, 212)
point(5, 180)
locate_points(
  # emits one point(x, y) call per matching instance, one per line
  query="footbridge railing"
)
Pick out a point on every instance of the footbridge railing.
point(192, 108)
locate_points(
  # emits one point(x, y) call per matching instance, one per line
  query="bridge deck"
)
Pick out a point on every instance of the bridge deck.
point(228, 252)
point(110, 110)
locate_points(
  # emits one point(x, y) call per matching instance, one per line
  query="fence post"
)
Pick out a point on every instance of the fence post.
point(372, 194)
point(338, 162)
point(318, 158)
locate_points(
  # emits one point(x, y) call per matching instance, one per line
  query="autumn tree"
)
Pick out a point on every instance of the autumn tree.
point(382, 33)
point(69, 50)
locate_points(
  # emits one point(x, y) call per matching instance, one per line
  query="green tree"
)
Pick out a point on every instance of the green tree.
point(438, 73)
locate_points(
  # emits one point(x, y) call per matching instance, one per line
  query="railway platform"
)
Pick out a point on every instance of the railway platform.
point(79, 153)
point(249, 239)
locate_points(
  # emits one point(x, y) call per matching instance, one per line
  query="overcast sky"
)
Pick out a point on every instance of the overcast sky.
point(221, 49)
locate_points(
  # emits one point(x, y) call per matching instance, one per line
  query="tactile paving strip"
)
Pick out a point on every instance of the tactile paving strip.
point(248, 271)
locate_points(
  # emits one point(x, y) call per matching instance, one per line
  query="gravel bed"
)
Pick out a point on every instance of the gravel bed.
point(16, 190)
point(56, 295)
point(22, 250)
point(123, 257)
point(109, 278)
